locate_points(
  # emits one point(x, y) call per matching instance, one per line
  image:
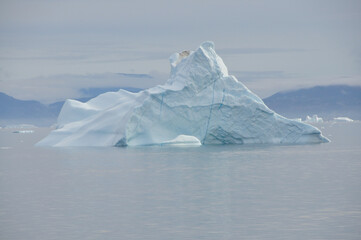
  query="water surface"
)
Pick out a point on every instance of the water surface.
point(207, 192)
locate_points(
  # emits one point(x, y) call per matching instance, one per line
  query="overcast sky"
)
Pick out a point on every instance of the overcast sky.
point(49, 49)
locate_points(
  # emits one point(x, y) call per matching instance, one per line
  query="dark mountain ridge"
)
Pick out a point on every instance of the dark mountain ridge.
point(325, 101)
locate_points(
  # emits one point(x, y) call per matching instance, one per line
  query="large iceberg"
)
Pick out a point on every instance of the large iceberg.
point(199, 103)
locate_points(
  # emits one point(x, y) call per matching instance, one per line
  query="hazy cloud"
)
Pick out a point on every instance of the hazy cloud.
point(258, 50)
point(269, 45)
point(251, 76)
point(58, 87)
point(267, 86)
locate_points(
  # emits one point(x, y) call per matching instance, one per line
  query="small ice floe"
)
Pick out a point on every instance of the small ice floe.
point(342, 119)
point(313, 119)
point(24, 131)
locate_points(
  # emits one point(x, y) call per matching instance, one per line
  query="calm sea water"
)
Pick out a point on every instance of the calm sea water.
point(207, 192)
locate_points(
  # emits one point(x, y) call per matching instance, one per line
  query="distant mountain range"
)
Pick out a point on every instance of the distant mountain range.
point(14, 111)
point(325, 101)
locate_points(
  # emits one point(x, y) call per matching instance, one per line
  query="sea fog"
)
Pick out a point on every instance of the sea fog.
point(207, 192)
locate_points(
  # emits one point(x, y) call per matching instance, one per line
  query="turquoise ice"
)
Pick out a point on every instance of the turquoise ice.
point(199, 103)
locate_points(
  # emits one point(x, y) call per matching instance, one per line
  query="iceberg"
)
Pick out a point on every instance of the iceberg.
point(342, 119)
point(200, 103)
point(24, 131)
point(314, 119)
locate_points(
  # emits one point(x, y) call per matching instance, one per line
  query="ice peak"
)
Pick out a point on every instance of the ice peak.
point(197, 69)
point(175, 58)
point(208, 45)
point(206, 49)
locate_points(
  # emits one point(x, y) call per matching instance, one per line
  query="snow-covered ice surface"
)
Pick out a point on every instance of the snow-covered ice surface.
point(199, 100)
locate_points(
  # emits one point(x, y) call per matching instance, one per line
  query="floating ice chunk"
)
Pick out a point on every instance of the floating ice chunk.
point(199, 100)
point(24, 131)
point(342, 119)
point(313, 119)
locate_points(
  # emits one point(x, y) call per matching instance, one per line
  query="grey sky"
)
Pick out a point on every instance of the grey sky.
point(49, 49)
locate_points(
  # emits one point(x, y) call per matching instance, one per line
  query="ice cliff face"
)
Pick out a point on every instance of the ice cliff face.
point(200, 101)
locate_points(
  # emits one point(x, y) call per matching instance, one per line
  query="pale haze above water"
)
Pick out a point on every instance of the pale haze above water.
point(207, 192)
point(50, 50)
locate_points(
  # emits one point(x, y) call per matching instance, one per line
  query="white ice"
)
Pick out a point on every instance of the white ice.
point(342, 119)
point(183, 140)
point(200, 100)
point(313, 119)
point(24, 131)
